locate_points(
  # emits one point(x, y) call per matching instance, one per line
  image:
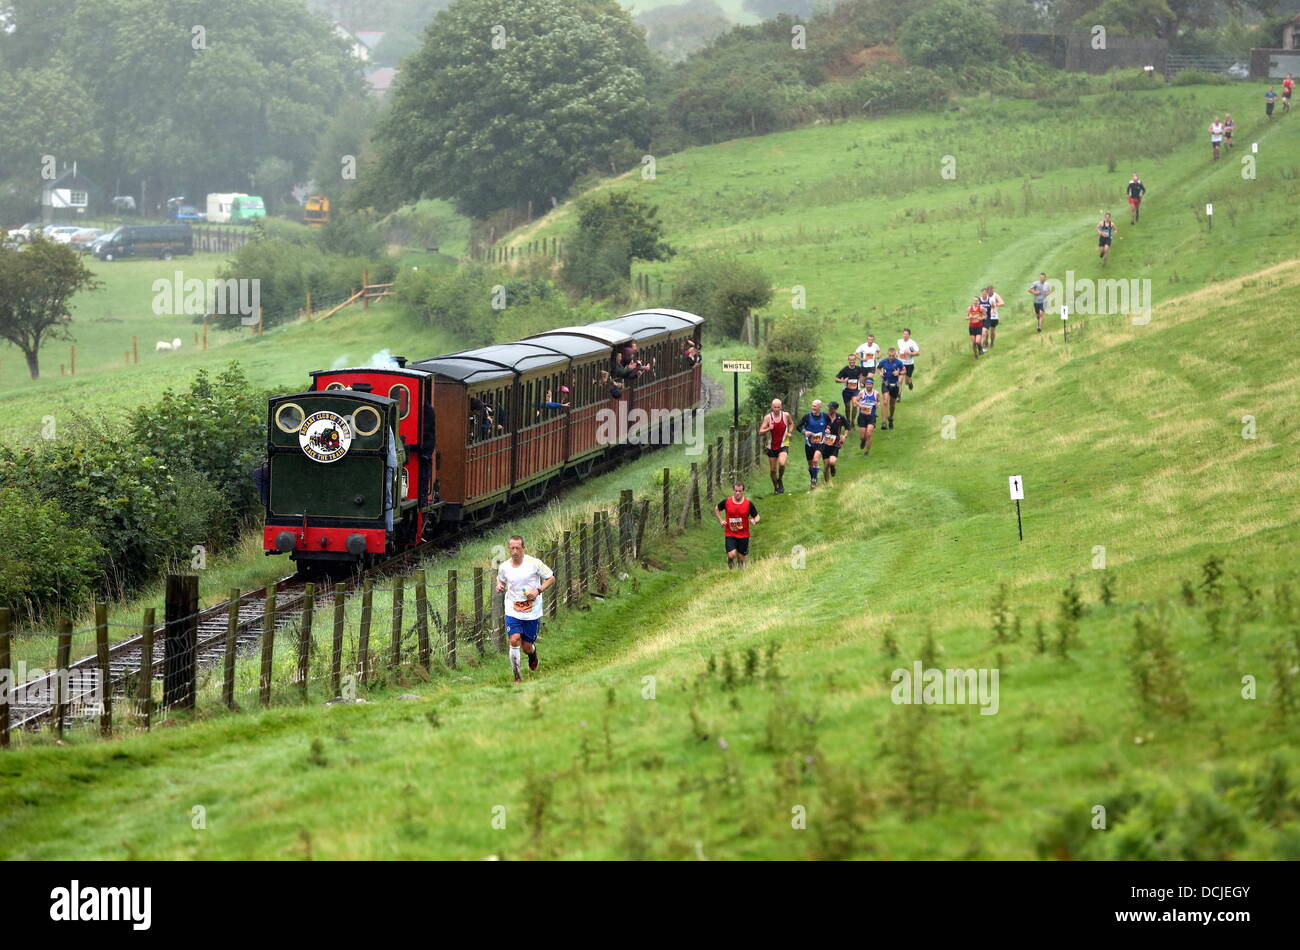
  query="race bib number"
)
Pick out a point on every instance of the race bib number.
point(735, 524)
point(523, 606)
point(815, 438)
point(851, 385)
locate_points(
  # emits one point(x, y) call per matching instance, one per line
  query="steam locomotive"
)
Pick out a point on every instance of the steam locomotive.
point(370, 461)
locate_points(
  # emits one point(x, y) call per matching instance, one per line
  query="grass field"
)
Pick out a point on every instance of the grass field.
point(1147, 450)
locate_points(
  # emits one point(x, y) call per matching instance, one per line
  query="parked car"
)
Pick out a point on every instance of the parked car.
point(83, 238)
point(61, 233)
point(103, 239)
point(26, 232)
point(156, 240)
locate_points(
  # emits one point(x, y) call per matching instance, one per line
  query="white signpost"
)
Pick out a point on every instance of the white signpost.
point(1017, 493)
point(1209, 215)
point(1065, 316)
point(736, 367)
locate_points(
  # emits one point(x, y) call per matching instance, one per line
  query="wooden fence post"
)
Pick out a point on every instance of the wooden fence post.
point(182, 608)
point(708, 471)
point(695, 490)
point(305, 638)
point(422, 616)
point(640, 527)
point(399, 604)
point(365, 288)
point(62, 656)
point(451, 618)
point(624, 525)
point(232, 631)
point(6, 670)
point(554, 563)
point(499, 614)
point(666, 500)
point(336, 651)
point(105, 686)
point(363, 643)
point(717, 460)
point(600, 572)
point(583, 559)
point(691, 488)
point(144, 688)
point(568, 569)
point(268, 643)
point(478, 610)
point(731, 453)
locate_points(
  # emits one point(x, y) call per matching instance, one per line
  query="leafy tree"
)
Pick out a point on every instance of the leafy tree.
point(43, 111)
point(788, 363)
point(216, 429)
point(951, 33)
point(722, 288)
point(460, 302)
point(36, 284)
point(509, 101)
point(613, 229)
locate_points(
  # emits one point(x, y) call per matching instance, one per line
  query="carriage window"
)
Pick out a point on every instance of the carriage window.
point(288, 418)
point(403, 397)
point(366, 421)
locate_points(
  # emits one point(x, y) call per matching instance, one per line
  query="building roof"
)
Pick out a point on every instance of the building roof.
point(381, 80)
point(555, 347)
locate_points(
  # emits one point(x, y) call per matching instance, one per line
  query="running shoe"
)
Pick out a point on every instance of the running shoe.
point(532, 659)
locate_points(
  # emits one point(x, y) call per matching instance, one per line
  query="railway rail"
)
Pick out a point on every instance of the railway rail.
point(32, 703)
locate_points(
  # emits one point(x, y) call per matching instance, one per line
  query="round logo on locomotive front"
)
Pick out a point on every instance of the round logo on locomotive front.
point(325, 436)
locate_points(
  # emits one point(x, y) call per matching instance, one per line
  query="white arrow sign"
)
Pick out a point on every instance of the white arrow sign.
point(1017, 488)
point(1209, 209)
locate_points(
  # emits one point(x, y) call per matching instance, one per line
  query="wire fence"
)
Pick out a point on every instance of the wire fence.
point(296, 642)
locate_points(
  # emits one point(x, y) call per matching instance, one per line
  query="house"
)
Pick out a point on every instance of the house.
point(381, 80)
point(361, 42)
point(1276, 63)
point(70, 196)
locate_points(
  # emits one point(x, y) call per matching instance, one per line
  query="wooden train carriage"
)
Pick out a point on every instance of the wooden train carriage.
point(497, 437)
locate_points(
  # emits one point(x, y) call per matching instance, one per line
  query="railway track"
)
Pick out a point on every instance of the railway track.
point(32, 701)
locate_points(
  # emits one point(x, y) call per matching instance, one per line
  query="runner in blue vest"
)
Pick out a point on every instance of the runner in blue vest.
point(891, 367)
point(866, 402)
point(813, 426)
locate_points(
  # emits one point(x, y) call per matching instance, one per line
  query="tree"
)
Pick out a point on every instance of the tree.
point(723, 289)
point(951, 33)
point(788, 363)
point(613, 229)
point(509, 101)
point(35, 286)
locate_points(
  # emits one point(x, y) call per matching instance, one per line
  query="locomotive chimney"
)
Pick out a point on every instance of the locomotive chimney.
point(400, 361)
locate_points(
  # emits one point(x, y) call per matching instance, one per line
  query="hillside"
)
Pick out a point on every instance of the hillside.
point(1165, 443)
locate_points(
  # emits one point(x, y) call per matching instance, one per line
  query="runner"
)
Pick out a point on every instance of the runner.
point(850, 377)
point(891, 368)
point(1105, 233)
point(995, 301)
point(1228, 126)
point(736, 513)
point(1040, 290)
point(907, 350)
point(836, 427)
point(986, 305)
point(867, 400)
point(523, 578)
point(975, 319)
point(813, 427)
point(1287, 85)
point(1135, 192)
point(777, 422)
point(1270, 97)
point(1216, 136)
point(867, 354)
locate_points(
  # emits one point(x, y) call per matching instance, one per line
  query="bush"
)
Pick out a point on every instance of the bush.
point(459, 302)
point(124, 497)
point(612, 230)
point(46, 561)
point(352, 234)
point(789, 361)
point(951, 33)
point(723, 290)
point(214, 435)
point(1191, 77)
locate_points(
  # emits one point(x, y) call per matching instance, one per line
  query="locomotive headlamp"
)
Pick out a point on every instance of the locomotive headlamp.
point(285, 542)
point(356, 544)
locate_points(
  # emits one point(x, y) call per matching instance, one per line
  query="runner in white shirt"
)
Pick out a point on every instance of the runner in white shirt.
point(522, 578)
point(907, 350)
point(867, 354)
point(995, 301)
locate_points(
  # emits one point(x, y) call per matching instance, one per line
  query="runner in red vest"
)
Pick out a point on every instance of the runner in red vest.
point(778, 424)
point(736, 513)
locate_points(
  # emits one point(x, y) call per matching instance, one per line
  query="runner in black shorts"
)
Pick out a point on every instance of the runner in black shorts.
point(836, 426)
point(1040, 291)
point(1105, 232)
point(736, 513)
point(849, 377)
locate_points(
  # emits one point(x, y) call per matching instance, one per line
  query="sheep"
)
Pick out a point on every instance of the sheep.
point(164, 345)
